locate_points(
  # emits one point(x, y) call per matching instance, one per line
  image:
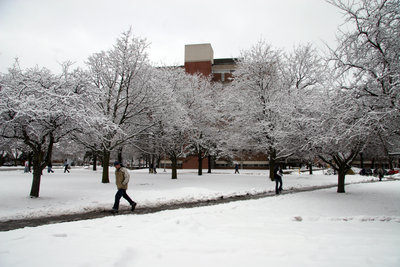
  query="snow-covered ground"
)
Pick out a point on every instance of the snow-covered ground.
point(318, 228)
point(82, 189)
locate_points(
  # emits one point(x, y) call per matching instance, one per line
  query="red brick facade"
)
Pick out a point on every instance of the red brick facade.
point(192, 162)
point(203, 67)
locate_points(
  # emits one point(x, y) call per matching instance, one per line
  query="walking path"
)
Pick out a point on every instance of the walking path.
point(94, 214)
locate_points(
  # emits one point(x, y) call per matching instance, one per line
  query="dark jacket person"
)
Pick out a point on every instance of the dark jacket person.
point(278, 180)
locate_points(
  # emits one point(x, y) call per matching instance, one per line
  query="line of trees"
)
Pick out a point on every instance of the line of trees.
point(333, 106)
point(302, 103)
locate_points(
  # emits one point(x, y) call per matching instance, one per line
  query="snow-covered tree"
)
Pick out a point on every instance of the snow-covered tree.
point(367, 91)
point(218, 122)
point(255, 102)
point(123, 77)
point(368, 56)
point(341, 132)
point(172, 123)
point(201, 109)
point(39, 109)
point(304, 77)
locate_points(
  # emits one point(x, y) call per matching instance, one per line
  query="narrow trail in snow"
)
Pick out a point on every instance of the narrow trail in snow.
point(94, 214)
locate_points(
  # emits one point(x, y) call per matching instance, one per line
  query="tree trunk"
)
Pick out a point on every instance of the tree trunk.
point(271, 170)
point(37, 174)
point(94, 161)
point(30, 156)
point(200, 161)
point(342, 166)
point(361, 160)
point(390, 163)
point(40, 160)
point(35, 188)
point(209, 163)
point(272, 155)
point(310, 168)
point(37, 159)
point(152, 162)
point(120, 154)
point(341, 178)
point(174, 166)
point(106, 159)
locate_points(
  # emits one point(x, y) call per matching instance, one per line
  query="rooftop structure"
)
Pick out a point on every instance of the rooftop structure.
point(199, 58)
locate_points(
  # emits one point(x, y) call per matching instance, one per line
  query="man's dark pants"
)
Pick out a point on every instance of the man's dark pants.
point(278, 184)
point(121, 193)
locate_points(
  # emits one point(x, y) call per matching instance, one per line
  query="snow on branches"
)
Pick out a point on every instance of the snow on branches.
point(38, 109)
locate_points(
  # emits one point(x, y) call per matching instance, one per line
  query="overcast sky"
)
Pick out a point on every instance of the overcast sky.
point(46, 32)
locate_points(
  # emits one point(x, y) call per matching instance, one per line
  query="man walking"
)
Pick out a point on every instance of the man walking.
point(121, 179)
point(278, 173)
point(236, 168)
point(380, 173)
point(66, 166)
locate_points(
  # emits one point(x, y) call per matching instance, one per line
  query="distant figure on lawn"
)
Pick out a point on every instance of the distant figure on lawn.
point(122, 179)
point(26, 169)
point(380, 173)
point(50, 168)
point(236, 168)
point(278, 179)
point(155, 169)
point(66, 166)
point(152, 168)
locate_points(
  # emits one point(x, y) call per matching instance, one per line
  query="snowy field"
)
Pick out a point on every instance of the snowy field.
point(82, 190)
point(318, 228)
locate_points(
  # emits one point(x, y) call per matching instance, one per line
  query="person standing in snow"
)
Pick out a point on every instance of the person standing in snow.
point(236, 168)
point(380, 173)
point(122, 179)
point(26, 169)
point(50, 168)
point(278, 179)
point(155, 169)
point(66, 166)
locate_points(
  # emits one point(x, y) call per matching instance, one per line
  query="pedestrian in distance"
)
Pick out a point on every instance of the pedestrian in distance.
point(66, 166)
point(236, 168)
point(152, 168)
point(380, 173)
point(155, 169)
point(121, 179)
point(50, 168)
point(278, 179)
point(26, 169)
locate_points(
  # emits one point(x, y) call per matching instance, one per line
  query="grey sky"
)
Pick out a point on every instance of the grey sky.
point(44, 32)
